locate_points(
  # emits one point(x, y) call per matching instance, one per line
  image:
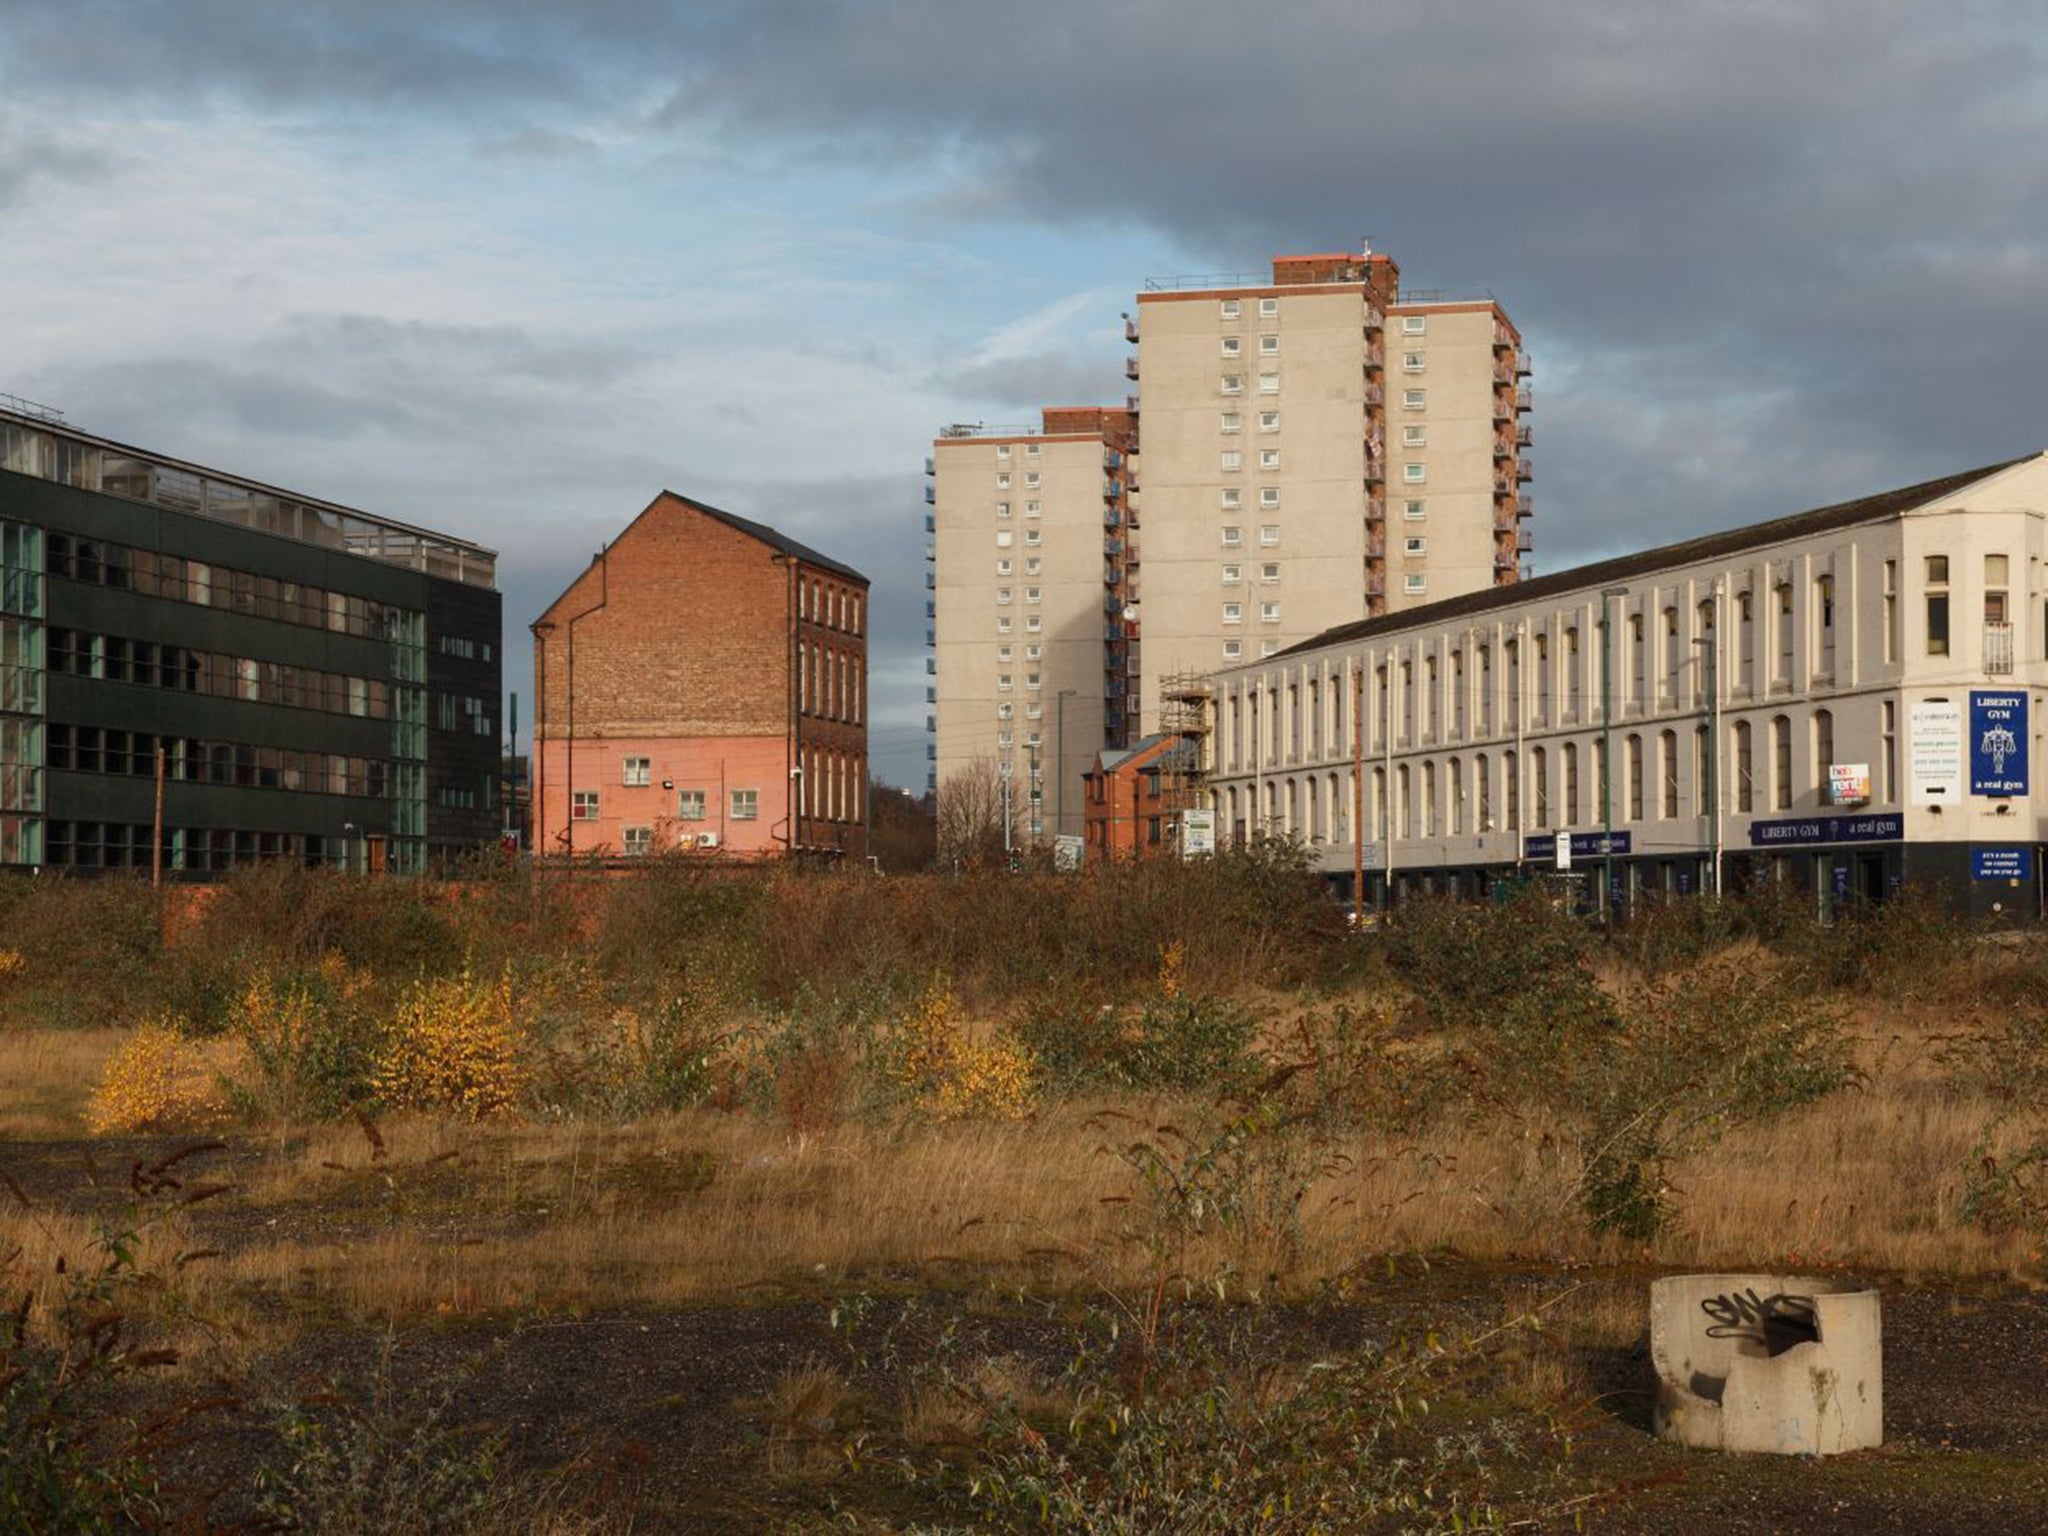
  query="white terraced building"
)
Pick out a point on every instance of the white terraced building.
point(1846, 699)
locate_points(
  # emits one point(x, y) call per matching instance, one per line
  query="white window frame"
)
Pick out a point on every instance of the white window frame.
point(1414, 362)
point(1228, 309)
point(1233, 538)
point(1415, 546)
point(692, 805)
point(1003, 567)
point(1232, 346)
point(1233, 575)
point(1415, 325)
point(1231, 461)
point(637, 772)
point(1415, 509)
point(1002, 597)
point(1002, 450)
point(1269, 613)
point(1414, 583)
point(1269, 535)
point(1414, 474)
point(1002, 479)
point(1233, 650)
point(1230, 421)
point(1233, 497)
point(1414, 436)
point(1269, 572)
point(1233, 613)
point(1269, 458)
point(1232, 384)
point(1269, 495)
point(1269, 344)
point(1268, 308)
point(1414, 399)
point(1269, 383)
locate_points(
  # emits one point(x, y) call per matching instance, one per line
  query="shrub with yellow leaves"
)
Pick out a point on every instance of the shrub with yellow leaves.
point(159, 1080)
point(454, 1048)
point(952, 1076)
point(13, 966)
point(1173, 960)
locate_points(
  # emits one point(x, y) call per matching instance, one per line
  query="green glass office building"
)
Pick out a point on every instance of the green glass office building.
point(306, 682)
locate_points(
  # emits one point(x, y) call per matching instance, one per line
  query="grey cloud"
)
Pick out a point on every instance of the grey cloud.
point(1044, 378)
point(1778, 253)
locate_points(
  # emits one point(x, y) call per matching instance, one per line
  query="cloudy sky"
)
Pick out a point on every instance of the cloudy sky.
point(510, 267)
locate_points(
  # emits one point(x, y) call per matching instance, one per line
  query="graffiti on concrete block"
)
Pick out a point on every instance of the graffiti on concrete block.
point(1777, 1321)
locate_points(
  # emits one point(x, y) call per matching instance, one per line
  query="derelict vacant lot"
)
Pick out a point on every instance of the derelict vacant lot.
point(1147, 1200)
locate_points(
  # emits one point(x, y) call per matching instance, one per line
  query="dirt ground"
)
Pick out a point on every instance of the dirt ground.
point(671, 1405)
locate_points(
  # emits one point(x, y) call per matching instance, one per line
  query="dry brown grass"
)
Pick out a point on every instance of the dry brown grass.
point(459, 1219)
point(46, 1075)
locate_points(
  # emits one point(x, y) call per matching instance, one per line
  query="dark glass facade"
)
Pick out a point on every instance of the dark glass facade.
point(319, 685)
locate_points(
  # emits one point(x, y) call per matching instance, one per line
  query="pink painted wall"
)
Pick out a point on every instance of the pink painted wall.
point(715, 765)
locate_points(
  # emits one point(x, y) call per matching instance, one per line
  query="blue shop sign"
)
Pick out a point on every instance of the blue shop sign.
point(1827, 829)
point(1585, 845)
point(2001, 863)
point(1998, 743)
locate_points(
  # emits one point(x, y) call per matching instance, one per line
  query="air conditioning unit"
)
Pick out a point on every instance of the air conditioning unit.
point(707, 839)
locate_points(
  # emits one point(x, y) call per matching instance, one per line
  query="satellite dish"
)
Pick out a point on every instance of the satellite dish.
point(1130, 613)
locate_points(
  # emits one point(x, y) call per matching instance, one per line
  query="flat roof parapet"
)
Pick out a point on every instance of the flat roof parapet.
point(43, 447)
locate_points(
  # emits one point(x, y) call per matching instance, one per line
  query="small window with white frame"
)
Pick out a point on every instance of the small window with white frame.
point(1414, 474)
point(1002, 509)
point(1415, 583)
point(1034, 594)
point(1269, 383)
point(1034, 537)
point(1415, 546)
point(690, 805)
point(1414, 325)
point(1269, 613)
point(1002, 653)
point(1003, 682)
point(1415, 399)
point(1233, 538)
point(1233, 496)
point(1269, 534)
point(1268, 308)
point(1033, 652)
point(1269, 572)
point(1003, 596)
point(1002, 479)
point(1033, 624)
point(1269, 458)
point(1034, 566)
point(1233, 346)
point(1414, 362)
point(1415, 509)
point(1231, 460)
point(744, 805)
point(1231, 422)
point(1005, 538)
point(1002, 567)
point(1031, 479)
point(1269, 345)
point(1229, 309)
point(1233, 384)
point(639, 772)
point(1002, 450)
point(1031, 450)
point(1233, 650)
point(1033, 508)
point(1233, 575)
point(1268, 648)
point(1415, 437)
point(1003, 624)
point(1233, 613)
point(1269, 421)
point(1269, 495)
point(636, 842)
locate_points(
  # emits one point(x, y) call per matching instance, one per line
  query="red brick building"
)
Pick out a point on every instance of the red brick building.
point(703, 686)
point(1130, 798)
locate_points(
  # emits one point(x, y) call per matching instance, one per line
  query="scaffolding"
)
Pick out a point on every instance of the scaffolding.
point(1186, 709)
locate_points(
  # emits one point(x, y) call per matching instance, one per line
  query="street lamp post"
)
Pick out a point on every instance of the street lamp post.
point(1710, 647)
point(1607, 594)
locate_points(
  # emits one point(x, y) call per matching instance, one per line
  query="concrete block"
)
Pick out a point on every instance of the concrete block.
point(1767, 1363)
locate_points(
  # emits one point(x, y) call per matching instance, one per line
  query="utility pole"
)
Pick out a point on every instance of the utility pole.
point(1059, 764)
point(1710, 648)
point(1607, 757)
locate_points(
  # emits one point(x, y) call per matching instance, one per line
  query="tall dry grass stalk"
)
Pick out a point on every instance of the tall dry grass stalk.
point(46, 1075)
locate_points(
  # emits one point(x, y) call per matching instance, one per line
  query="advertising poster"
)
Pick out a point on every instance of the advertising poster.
point(1936, 748)
point(1998, 743)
